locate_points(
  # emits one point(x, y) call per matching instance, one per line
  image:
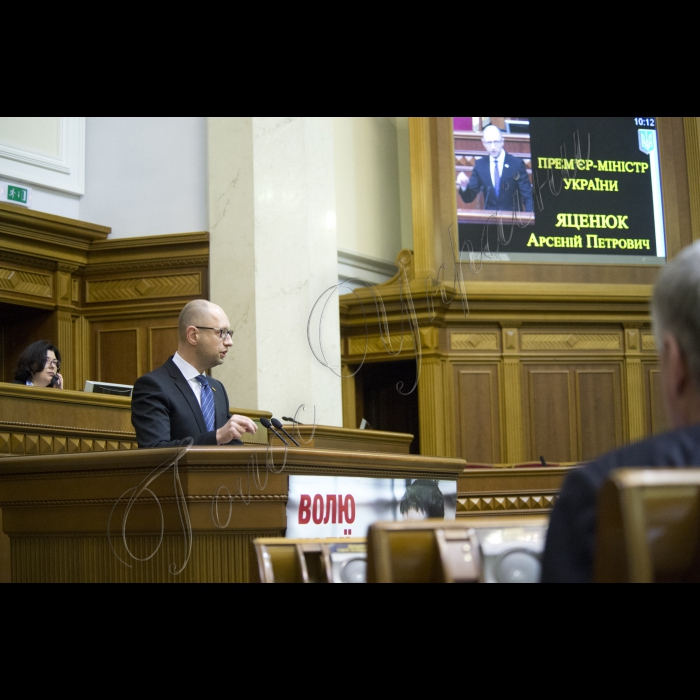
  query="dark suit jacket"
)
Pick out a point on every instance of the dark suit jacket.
point(516, 189)
point(165, 411)
point(570, 547)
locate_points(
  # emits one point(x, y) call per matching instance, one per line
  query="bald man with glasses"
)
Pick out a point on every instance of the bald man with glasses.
point(501, 177)
point(178, 400)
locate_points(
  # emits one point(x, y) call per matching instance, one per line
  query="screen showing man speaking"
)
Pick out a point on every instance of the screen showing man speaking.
point(560, 186)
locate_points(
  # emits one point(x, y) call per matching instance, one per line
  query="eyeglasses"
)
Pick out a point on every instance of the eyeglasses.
point(53, 364)
point(492, 143)
point(223, 332)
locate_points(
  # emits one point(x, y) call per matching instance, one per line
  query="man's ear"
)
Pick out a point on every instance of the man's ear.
point(192, 333)
point(676, 365)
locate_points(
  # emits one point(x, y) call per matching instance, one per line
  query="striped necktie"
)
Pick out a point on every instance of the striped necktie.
point(497, 179)
point(207, 402)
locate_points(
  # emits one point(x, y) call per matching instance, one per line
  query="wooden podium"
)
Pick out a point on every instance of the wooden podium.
point(66, 458)
point(56, 509)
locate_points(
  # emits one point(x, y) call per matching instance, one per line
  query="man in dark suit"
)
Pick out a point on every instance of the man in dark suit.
point(178, 401)
point(502, 178)
point(570, 548)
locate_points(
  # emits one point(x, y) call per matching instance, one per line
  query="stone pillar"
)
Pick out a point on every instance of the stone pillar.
point(273, 254)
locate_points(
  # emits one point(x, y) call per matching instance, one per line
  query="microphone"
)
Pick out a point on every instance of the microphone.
point(279, 426)
point(544, 464)
point(266, 424)
point(291, 420)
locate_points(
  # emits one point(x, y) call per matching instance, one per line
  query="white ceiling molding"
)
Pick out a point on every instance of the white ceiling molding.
point(65, 173)
point(364, 267)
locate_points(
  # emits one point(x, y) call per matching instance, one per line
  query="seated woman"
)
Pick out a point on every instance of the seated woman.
point(39, 365)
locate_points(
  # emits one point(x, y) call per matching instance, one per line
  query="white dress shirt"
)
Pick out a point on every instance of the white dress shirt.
point(498, 162)
point(189, 373)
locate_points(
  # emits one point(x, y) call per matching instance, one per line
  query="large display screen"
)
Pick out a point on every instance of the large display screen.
point(555, 187)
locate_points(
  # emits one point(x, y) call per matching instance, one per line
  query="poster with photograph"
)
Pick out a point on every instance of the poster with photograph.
point(553, 185)
point(327, 507)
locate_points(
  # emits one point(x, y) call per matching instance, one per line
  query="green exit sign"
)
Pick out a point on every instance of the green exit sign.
point(17, 194)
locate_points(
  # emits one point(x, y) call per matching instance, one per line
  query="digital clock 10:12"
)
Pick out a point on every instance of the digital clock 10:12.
point(649, 122)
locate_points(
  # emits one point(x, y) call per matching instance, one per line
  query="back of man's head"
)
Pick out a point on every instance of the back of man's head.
point(676, 306)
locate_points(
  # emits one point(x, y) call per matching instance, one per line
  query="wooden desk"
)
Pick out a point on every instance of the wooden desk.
point(56, 508)
point(509, 492)
point(329, 438)
point(37, 421)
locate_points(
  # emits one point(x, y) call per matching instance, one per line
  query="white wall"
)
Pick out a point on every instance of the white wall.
point(143, 176)
point(373, 195)
point(46, 153)
point(146, 176)
point(367, 186)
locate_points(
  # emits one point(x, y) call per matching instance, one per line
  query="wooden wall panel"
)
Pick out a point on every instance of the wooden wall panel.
point(61, 280)
point(599, 409)
point(549, 409)
point(162, 344)
point(22, 330)
point(657, 422)
point(573, 412)
point(122, 351)
point(118, 355)
point(478, 412)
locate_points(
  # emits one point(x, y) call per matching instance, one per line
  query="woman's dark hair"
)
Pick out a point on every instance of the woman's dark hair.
point(33, 359)
point(424, 496)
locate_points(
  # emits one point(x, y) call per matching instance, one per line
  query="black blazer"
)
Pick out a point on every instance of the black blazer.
point(165, 411)
point(570, 548)
point(516, 189)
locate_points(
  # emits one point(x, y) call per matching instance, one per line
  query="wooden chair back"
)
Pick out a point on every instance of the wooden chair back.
point(278, 560)
point(649, 527)
point(423, 551)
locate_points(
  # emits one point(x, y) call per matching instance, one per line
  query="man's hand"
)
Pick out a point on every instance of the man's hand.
point(462, 181)
point(234, 429)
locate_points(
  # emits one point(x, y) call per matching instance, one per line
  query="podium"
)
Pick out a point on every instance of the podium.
point(194, 521)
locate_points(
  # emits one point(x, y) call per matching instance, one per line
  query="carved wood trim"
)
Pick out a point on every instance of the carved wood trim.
point(648, 342)
point(474, 341)
point(105, 268)
point(33, 284)
point(16, 444)
point(144, 288)
point(29, 260)
point(571, 341)
point(164, 500)
point(63, 429)
point(513, 504)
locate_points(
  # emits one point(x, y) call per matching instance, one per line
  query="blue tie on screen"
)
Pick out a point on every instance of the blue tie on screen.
point(207, 402)
point(497, 179)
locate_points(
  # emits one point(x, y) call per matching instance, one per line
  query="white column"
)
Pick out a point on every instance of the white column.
point(273, 254)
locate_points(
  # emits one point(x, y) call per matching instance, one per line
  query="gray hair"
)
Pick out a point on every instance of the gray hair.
point(675, 307)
